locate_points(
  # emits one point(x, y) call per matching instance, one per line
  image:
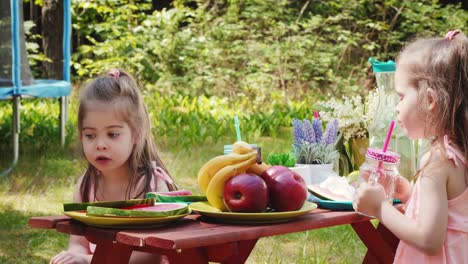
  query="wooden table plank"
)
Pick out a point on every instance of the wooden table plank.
point(377, 246)
point(46, 222)
point(197, 239)
point(119, 253)
point(225, 233)
point(244, 248)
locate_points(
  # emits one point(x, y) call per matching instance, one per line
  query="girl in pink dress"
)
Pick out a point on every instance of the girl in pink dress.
point(123, 163)
point(431, 80)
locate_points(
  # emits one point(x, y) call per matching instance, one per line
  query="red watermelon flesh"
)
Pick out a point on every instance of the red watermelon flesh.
point(176, 193)
point(133, 207)
point(158, 207)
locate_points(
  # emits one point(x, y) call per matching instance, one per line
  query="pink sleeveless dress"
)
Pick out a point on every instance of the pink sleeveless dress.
point(159, 176)
point(455, 247)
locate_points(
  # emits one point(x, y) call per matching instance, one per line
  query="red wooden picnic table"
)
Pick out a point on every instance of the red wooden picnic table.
point(194, 239)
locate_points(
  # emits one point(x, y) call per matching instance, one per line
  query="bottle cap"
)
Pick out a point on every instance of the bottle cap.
point(378, 154)
point(379, 66)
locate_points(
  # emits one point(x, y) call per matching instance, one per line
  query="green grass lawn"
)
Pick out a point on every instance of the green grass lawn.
point(40, 185)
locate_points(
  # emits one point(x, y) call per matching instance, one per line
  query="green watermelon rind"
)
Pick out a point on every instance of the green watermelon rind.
point(110, 204)
point(105, 211)
point(176, 199)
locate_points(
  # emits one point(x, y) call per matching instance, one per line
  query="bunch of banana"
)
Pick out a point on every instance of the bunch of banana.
point(242, 147)
point(213, 174)
point(209, 169)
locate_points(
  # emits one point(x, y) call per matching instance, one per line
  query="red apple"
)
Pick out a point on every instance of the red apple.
point(271, 172)
point(246, 193)
point(288, 191)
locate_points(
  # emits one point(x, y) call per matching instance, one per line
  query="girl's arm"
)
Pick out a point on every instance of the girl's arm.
point(428, 231)
point(78, 246)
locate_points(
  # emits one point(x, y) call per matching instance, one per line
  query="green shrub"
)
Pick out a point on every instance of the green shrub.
point(39, 125)
point(245, 48)
point(177, 120)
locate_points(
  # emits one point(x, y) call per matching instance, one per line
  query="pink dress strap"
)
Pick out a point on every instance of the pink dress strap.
point(160, 173)
point(453, 153)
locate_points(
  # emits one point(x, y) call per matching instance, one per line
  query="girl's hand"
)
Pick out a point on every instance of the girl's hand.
point(369, 199)
point(403, 189)
point(67, 257)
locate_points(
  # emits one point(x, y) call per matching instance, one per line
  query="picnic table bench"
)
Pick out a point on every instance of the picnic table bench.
point(195, 239)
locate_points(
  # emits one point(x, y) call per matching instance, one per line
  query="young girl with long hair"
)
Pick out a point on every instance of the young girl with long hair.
point(123, 163)
point(431, 80)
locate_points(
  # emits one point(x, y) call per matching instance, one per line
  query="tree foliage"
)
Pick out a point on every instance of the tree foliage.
point(253, 48)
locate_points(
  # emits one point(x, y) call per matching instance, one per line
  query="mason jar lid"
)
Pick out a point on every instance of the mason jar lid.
point(378, 154)
point(381, 66)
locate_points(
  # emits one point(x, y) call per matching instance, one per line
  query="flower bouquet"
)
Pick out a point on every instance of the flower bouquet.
point(315, 151)
point(354, 115)
point(310, 145)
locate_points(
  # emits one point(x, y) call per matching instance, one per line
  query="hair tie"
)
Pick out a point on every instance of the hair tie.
point(451, 34)
point(114, 73)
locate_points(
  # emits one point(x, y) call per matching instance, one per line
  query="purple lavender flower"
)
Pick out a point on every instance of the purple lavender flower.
point(317, 124)
point(331, 133)
point(309, 134)
point(298, 133)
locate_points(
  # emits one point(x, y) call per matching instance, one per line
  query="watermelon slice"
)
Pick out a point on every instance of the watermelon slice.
point(325, 194)
point(156, 210)
point(111, 204)
point(174, 193)
point(164, 197)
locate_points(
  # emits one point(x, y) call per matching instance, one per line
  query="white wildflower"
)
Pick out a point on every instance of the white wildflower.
point(353, 114)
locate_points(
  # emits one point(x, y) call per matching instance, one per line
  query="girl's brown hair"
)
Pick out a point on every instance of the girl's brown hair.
point(442, 65)
point(119, 91)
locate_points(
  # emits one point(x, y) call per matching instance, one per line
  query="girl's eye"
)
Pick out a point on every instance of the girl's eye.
point(89, 136)
point(113, 134)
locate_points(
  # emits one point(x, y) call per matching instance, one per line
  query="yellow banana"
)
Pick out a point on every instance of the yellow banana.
point(215, 190)
point(241, 147)
point(210, 168)
point(258, 169)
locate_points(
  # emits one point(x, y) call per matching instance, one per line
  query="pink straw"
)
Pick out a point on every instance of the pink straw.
point(387, 141)
point(389, 136)
point(375, 174)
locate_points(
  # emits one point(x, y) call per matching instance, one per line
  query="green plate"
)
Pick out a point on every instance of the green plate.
point(123, 222)
point(205, 209)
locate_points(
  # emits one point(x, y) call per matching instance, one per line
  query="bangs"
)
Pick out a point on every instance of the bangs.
point(120, 107)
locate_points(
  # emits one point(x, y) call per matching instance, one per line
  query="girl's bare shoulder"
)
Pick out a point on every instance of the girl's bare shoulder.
point(439, 168)
point(435, 164)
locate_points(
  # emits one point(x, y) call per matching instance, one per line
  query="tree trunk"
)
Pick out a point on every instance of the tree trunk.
point(52, 36)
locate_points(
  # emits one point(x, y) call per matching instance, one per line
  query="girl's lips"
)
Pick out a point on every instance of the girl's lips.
point(103, 160)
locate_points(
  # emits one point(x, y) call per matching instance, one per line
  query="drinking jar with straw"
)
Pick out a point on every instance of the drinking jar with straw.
point(381, 166)
point(228, 148)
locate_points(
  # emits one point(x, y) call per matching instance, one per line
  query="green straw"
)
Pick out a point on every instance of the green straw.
point(236, 126)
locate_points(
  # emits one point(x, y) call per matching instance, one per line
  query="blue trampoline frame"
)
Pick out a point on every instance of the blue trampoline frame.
point(40, 88)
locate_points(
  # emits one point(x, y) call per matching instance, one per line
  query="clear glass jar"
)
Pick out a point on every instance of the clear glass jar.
point(380, 168)
point(387, 101)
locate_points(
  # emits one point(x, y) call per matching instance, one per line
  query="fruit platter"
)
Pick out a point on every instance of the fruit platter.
point(212, 213)
point(136, 213)
point(239, 188)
